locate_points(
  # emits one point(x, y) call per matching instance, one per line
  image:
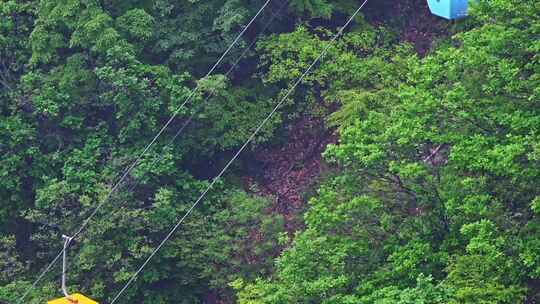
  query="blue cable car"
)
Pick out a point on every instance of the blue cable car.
point(449, 9)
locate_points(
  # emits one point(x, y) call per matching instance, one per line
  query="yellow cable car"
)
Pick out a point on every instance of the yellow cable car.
point(75, 298)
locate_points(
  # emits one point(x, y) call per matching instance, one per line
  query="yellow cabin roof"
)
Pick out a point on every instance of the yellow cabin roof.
point(77, 298)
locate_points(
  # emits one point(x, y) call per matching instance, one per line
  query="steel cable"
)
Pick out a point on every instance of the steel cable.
point(141, 155)
point(246, 143)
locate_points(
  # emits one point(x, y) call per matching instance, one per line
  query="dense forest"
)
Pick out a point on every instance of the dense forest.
point(405, 168)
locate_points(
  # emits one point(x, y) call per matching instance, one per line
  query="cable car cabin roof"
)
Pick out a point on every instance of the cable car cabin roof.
point(449, 9)
point(77, 299)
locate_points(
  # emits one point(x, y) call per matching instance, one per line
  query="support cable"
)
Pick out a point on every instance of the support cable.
point(213, 91)
point(141, 155)
point(67, 240)
point(251, 137)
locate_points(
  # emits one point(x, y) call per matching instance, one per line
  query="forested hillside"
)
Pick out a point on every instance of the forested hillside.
point(405, 168)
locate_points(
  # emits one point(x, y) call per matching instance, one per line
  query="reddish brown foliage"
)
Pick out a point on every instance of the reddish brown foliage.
point(416, 23)
point(290, 169)
point(421, 28)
